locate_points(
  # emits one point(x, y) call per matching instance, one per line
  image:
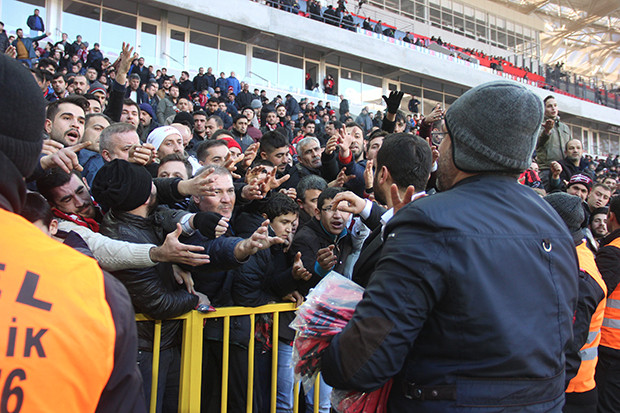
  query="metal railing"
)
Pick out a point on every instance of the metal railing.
point(191, 357)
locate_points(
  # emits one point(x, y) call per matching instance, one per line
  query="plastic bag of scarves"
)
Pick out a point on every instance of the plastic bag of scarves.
point(327, 310)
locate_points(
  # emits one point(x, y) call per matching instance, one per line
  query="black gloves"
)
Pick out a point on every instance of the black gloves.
point(205, 222)
point(393, 102)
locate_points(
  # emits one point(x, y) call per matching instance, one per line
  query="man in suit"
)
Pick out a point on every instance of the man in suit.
point(403, 166)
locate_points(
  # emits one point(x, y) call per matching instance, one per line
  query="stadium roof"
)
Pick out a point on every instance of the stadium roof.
point(582, 34)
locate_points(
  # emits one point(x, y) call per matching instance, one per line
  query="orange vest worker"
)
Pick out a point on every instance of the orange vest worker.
point(584, 380)
point(57, 337)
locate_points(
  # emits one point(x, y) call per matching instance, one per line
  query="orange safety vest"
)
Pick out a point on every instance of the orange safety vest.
point(584, 380)
point(610, 332)
point(57, 334)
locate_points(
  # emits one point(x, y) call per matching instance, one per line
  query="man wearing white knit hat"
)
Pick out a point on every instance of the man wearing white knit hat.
point(166, 140)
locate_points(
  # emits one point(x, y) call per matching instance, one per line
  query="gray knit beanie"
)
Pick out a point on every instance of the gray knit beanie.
point(570, 209)
point(22, 115)
point(494, 127)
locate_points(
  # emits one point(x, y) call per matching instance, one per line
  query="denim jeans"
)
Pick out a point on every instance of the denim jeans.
point(286, 382)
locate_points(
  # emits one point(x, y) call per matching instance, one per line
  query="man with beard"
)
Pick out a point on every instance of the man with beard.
point(403, 167)
point(59, 86)
point(65, 119)
point(132, 197)
point(351, 156)
point(465, 275)
point(597, 228)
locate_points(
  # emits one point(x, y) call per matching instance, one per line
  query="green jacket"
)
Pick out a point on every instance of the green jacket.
point(550, 147)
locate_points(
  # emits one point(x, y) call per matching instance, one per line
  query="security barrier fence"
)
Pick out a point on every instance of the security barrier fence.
point(191, 357)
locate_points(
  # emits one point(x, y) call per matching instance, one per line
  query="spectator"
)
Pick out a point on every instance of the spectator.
point(239, 132)
point(423, 345)
point(134, 92)
point(186, 88)
point(25, 46)
point(378, 28)
point(553, 137)
point(4, 39)
point(233, 82)
point(597, 228)
point(168, 105)
point(36, 24)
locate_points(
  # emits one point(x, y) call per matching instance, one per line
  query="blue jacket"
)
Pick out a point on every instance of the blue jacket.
point(234, 82)
point(473, 297)
point(27, 41)
point(222, 83)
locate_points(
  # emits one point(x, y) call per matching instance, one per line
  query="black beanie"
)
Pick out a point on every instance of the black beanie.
point(122, 186)
point(184, 117)
point(22, 115)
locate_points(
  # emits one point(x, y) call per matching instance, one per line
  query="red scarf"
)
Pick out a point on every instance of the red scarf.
point(76, 219)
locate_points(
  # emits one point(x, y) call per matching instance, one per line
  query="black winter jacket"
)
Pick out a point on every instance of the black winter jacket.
point(153, 291)
point(471, 298)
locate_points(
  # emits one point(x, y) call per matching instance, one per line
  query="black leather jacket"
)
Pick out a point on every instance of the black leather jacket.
point(153, 290)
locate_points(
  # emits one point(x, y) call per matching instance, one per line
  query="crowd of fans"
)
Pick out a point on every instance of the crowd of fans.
point(247, 188)
point(341, 17)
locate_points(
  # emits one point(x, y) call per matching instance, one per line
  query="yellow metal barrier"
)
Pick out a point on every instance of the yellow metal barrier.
point(191, 357)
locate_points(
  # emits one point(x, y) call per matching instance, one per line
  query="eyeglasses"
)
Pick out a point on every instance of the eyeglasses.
point(437, 137)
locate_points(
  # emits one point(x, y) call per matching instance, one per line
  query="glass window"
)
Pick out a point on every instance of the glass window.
point(411, 79)
point(459, 24)
point(148, 43)
point(122, 5)
point(469, 27)
point(291, 73)
point(176, 53)
point(372, 89)
point(350, 63)
point(330, 70)
point(178, 19)
point(501, 38)
point(116, 29)
point(420, 11)
point(232, 57)
point(373, 69)
point(15, 13)
point(435, 15)
point(332, 59)
point(82, 19)
point(351, 85)
point(407, 7)
point(394, 4)
point(312, 54)
point(149, 12)
point(431, 84)
point(231, 33)
point(264, 66)
point(202, 50)
point(481, 31)
point(202, 25)
point(446, 19)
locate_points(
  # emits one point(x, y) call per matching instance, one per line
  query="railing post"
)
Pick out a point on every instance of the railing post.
point(191, 364)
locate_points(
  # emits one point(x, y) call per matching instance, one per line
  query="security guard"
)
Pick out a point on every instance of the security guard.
point(68, 335)
point(608, 262)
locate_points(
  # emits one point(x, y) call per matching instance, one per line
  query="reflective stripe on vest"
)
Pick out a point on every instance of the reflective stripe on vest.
point(610, 334)
point(57, 336)
point(584, 380)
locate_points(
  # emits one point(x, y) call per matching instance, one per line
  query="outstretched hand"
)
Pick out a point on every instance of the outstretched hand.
point(66, 158)
point(172, 250)
point(393, 101)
